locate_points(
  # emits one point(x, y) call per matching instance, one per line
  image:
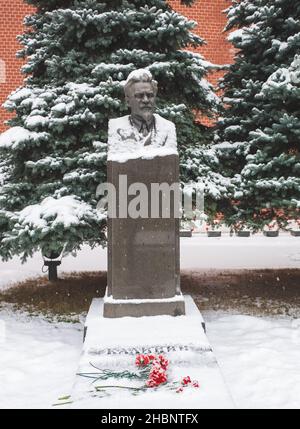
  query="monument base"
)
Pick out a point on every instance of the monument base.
point(143, 307)
point(112, 345)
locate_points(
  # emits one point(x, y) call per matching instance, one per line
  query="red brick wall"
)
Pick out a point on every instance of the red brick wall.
point(208, 14)
point(211, 22)
point(12, 13)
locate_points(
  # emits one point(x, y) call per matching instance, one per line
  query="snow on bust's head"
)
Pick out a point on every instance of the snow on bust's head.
point(139, 75)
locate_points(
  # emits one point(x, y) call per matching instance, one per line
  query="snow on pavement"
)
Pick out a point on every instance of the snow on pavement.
point(87, 259)
point(38, 360)
point(259, 358)
point(254, 252)
point(198, 252)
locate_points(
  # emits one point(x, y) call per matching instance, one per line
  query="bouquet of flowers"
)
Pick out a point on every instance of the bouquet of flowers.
point(152, 370)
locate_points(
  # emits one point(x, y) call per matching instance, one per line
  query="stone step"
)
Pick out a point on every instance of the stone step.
point(112, 344)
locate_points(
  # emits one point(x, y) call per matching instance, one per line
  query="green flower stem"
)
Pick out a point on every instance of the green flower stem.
point(119, 387)
point(63, 403)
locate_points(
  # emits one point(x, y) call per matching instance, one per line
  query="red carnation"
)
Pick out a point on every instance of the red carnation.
point(142, 360)
point(163, 362)
point(186, 380)
point(157, 376)
point(151, 357)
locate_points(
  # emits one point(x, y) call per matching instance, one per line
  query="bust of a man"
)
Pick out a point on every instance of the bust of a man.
point(143, 130)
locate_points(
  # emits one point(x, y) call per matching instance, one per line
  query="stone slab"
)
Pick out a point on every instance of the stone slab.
point(143, 253)
point(114, 343)
point(140, 308)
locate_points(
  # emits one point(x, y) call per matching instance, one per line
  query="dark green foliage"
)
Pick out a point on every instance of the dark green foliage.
point(260, 131)
point(78, 53)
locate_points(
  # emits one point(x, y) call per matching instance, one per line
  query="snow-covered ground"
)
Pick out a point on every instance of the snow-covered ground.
point(259, 358)
point(197, 252)
point(38, 360)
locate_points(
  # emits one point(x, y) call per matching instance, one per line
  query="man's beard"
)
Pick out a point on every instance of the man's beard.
point(147, 113)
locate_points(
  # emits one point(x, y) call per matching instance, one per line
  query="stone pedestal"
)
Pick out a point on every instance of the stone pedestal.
point(113, 345)
point(143, 253)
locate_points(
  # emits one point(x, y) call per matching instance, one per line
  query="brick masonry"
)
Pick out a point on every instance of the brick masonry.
point(208, 14)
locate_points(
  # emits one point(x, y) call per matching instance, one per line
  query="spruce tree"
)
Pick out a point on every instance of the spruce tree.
point(259, 136)
point(79, 53)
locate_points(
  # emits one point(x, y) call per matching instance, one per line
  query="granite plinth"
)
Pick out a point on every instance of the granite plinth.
point(143, 252)
point(135, 308)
